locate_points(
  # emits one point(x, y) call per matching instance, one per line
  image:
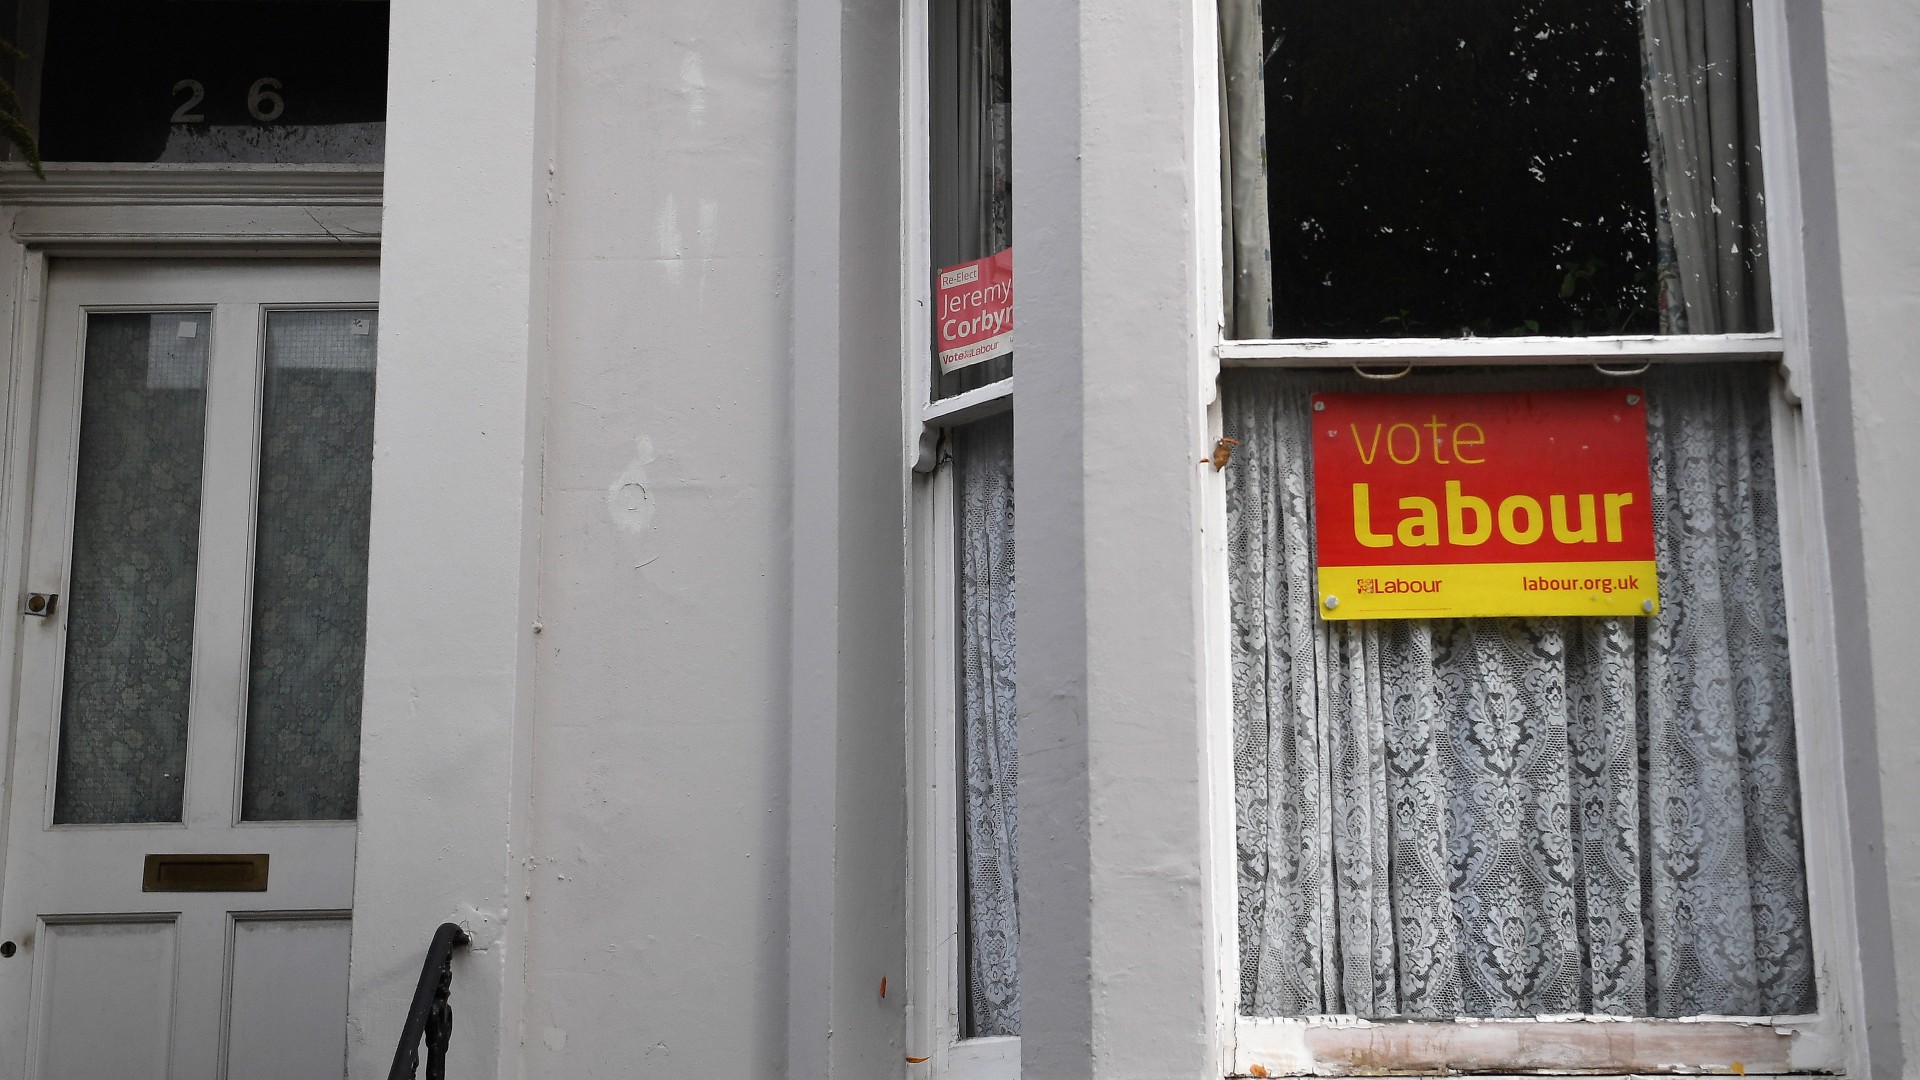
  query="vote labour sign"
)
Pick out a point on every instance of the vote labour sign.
point(973, 311)
point(1444, 505)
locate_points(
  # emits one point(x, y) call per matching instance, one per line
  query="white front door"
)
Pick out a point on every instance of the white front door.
point(178, 869)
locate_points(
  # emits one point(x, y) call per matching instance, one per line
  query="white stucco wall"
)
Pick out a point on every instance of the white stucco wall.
point(1873, 58)
point(1118, 959)
point(647, 612)
point(446, 718)
point(658, 891)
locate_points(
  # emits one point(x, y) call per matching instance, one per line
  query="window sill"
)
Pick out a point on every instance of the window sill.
point(1591, 1046)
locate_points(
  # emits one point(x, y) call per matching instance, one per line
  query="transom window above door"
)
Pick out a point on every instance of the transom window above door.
point(203, 81)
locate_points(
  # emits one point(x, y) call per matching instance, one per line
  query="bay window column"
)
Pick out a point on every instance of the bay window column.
point(1118, 957)
point(447, 723)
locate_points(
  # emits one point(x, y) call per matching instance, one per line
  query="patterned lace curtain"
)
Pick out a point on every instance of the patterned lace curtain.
point(136, 541)
point(1703, 141)
point(989, 737)
point(1505, 817)
point(309, 637)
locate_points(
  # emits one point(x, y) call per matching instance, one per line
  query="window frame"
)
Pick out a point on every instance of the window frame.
point(927, 416)
point(935, 1023)
point(936, 919)
point(1822, 1042)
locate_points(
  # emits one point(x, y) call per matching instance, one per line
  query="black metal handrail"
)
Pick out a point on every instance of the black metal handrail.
point(430, 1015)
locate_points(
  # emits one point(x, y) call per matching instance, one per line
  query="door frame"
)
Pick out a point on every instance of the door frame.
point(83, 211)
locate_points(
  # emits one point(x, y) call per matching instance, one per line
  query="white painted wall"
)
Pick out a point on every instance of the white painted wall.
point(658, 878)
point(447, 718)
point(1873, 75)
point(1117, 955)
point(602, 687)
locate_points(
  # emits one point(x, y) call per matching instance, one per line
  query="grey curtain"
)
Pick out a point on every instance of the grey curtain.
point(971, 134)
point(989, 737)
point(1504, 817)
point(1246, 240)
point(1703, 140)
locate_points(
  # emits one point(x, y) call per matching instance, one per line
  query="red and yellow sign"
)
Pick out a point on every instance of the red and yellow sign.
point(1453, 505)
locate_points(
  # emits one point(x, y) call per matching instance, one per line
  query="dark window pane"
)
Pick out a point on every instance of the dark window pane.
point(1448, 169)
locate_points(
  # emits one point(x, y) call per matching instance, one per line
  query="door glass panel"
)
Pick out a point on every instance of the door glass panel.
point(136, 539)
point(310, 567)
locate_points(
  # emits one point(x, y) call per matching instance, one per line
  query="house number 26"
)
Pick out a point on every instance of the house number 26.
point(262, 103)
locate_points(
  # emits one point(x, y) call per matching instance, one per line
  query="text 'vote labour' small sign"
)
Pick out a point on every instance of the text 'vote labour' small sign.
point(1459, 505)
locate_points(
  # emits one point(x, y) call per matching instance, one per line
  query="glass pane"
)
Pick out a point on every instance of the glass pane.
point(1566, 167)
point(989, 733)
point(291, 81)
point(971, 161)
point(310, 567)
point(136, 542)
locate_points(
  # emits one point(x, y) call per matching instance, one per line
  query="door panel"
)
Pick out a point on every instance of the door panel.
point(288, 1011)
point(202, 451)
point(106, 997)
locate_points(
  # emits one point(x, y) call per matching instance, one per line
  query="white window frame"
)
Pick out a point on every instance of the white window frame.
point(935, 1003)
point(1828, 1041)
point(935, 1016)
point(926, 416)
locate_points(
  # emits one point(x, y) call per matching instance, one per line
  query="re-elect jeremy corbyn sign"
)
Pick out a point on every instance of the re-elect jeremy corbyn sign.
point(973, 311)
point(1443, 505)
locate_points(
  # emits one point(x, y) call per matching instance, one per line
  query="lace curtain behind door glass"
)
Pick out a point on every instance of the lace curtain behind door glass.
point(136, 543)
point(989, 736)
point(310, 567)
point(1514, 817)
